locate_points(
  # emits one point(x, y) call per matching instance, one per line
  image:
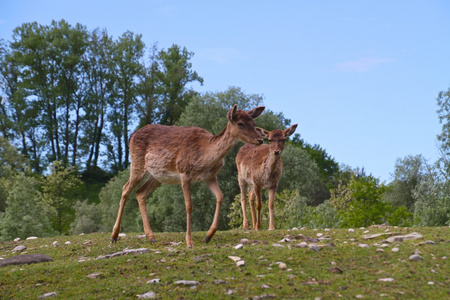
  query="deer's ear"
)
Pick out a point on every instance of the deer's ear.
point(262, 132)
point(254, 113)
point(232, 113)
point(289, 131)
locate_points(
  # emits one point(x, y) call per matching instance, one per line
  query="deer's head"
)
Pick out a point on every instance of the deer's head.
point(277, 138)
point(242, 125)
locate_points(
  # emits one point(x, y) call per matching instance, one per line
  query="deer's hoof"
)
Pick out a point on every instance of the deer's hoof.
point(207, 239)
point(113, 240)
point(153, 240)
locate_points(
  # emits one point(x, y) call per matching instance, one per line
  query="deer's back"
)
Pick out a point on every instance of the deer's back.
point(167, 151)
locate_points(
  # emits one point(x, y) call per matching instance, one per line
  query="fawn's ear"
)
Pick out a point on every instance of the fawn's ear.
point(289, 131)
point(262, 132)
point(254, 113)
point(232, 113)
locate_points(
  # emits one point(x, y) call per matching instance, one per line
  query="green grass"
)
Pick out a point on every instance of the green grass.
point(308, 273)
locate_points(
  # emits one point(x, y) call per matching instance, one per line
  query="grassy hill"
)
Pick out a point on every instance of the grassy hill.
point(340, 264)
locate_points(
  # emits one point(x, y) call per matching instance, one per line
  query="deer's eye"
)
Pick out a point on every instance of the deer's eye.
point(241, 125)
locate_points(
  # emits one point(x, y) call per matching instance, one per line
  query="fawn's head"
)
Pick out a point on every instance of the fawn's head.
point(277, 138)
point(242, 125)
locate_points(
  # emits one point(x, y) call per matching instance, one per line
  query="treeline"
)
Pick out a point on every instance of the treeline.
point(72, 97)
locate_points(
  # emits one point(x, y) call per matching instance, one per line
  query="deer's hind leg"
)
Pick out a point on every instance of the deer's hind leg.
point(141, 194)
point(136, 176)
point(243, 186)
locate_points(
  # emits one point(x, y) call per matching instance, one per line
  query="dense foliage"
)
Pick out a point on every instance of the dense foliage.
point(70, 99)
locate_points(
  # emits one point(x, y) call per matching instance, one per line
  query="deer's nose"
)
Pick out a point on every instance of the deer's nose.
point(260, 141)
point(276, 152)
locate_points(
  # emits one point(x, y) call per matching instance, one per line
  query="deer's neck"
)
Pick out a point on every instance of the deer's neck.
point(222, 143)
point(271, 163)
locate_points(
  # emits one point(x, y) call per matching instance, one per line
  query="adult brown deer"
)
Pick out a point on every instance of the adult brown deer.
point(261, 167)
point(181, 155)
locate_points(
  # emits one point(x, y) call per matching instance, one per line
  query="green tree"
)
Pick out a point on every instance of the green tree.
point(59, 190)
point(126, 55)
point(87, 218)
point(26, 213)
point(175, 75)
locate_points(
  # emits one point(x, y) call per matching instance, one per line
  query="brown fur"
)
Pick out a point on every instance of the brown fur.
point(181, 155)
point(261, 167)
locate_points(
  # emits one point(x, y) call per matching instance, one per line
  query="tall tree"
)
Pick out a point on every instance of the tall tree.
point(175, 75)
point(127, 53)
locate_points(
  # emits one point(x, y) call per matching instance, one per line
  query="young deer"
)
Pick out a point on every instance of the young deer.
point(261, 167)
point(181, 155)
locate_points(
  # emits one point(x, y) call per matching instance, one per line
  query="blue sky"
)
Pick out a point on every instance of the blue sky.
point(359, 77)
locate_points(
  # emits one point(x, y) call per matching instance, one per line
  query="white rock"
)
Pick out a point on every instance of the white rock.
point(363, 245)
point(282, 266)
point(68, 243)
point(234, 258)
point(395, 249)
point(399, 238)
point(430, 282)
point(147, 295)
point(16, 240)
point(351, 230)
point(302, 245)
point(277, 245)
point(19, 248)
point(265, 286)
point(415, 257)
point(55, 243)
point(239, 246)
point(244, 241)
point(240, 263)
point(47, 295)
point(386, 279)
point(327, 229)
point(32, 238)
point(187, 282)
point(319, 234)
point(295, 228)
point(156, 280)
point(122, 235)
point(313, 247)
point(380, 250)
point(367, 231)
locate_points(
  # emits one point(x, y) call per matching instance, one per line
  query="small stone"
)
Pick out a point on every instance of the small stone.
point(319, 234)
point(47, 295)
point(122, 235)
point(67, 243)
point(363, 245)
point(32, 238)
point(155, 280)
point(327, 229)
point(94, 275)
point(430, 282)
point(234, 258)
point(147, 295)
point(313, 247)
point(335, 270)
point(229, 292)
point(239, 246)
point(351, 230)
point(380, 250)
point(282, 266)
point(16, 240)
point(415, 257)
point(386, 279)
point(277, 245)
point(240, 263)
point(141, 236)
point(302, 245)
point(395, 249)
point(265, 286)
point(295, 228)
point(401, 238)
point(55, 243)
point(19, 248)
point(359, 296)
point(187, 282)
point(219, 281)
point(244, 241)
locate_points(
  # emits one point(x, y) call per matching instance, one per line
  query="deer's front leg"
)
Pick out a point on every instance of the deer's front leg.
point(257, 192)
point(271, 203)
point(243, 187)
point(186, 186)
point(214, 187)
